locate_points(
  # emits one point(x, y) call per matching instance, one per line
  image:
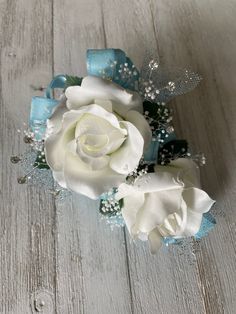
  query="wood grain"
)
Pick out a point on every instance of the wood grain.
point(27, 214)
point(60, 257)
point(201, 35)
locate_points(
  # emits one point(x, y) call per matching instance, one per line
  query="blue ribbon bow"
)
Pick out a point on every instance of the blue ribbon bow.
point(112, 64)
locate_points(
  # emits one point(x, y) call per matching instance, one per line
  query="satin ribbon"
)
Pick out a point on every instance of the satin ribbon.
point(107, 63)
point(42, 107)
point(152, 151)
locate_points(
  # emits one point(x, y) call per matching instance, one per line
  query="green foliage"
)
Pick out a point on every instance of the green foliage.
point(158, 114)
point(172, 150)
point(40, 163)
point(73, 81)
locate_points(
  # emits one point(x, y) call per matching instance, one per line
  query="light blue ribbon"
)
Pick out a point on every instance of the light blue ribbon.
point(151, 153)
point(58, 81)
point(42, 107)
point(41, 110)
point(108, 63)
point(100, 62)
point(208, 223)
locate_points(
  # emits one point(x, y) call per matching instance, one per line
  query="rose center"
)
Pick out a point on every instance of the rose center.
point(93, 144)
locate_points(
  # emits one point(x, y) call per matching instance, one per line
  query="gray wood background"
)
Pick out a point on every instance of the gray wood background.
point(62, 259)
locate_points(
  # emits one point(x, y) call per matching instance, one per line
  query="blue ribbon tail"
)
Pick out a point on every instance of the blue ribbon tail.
point(208, 223)
point(42, 107)
point(41, 110)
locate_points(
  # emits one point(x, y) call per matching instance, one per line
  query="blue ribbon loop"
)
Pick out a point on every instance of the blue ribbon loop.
point(58, 81)
point(108, 63)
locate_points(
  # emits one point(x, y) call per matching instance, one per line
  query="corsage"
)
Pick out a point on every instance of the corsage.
point(110, 136)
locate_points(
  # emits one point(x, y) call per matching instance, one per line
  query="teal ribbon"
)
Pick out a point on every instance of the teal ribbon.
point(42, 107)
point(41, 110)
point(208, 223)
point(108, 63)
point(58, 81)
point(152, 151)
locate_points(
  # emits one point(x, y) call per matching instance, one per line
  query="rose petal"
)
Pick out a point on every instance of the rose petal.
point(93, 87)
point(55, 145)
point(151, 182)
point(155, 240)
point(105, 104)
point(132, 204)
point(156, 208)
point(197, 200)
point(98, 125)
point(141, 124)
point(193, 224)
point(95, 117)
point(95, 162)
point(174, 224)
point(59, 178)
point(125, 159)
point(81, 179)
point(183, 170)
point(55, 122)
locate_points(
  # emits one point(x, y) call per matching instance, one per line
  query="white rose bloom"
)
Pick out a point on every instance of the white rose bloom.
point(167, 203)
point(96, 137)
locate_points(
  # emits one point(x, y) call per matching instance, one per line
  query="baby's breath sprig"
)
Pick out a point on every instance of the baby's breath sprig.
point(108, 204)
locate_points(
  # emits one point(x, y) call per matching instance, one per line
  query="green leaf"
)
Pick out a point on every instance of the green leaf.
point(158, 112)
point(73, 81)
point(39, 163)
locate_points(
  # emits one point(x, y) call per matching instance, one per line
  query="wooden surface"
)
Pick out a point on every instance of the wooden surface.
point(60, 258)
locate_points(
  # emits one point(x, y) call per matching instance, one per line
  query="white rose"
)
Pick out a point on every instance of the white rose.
point(167, 203)
point(97, 138)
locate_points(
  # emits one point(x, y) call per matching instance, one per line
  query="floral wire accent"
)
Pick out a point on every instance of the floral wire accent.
point(166, 155)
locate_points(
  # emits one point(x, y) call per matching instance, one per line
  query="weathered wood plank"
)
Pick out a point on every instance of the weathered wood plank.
point(26, 214)
point(92, 274)
point(201, 34)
